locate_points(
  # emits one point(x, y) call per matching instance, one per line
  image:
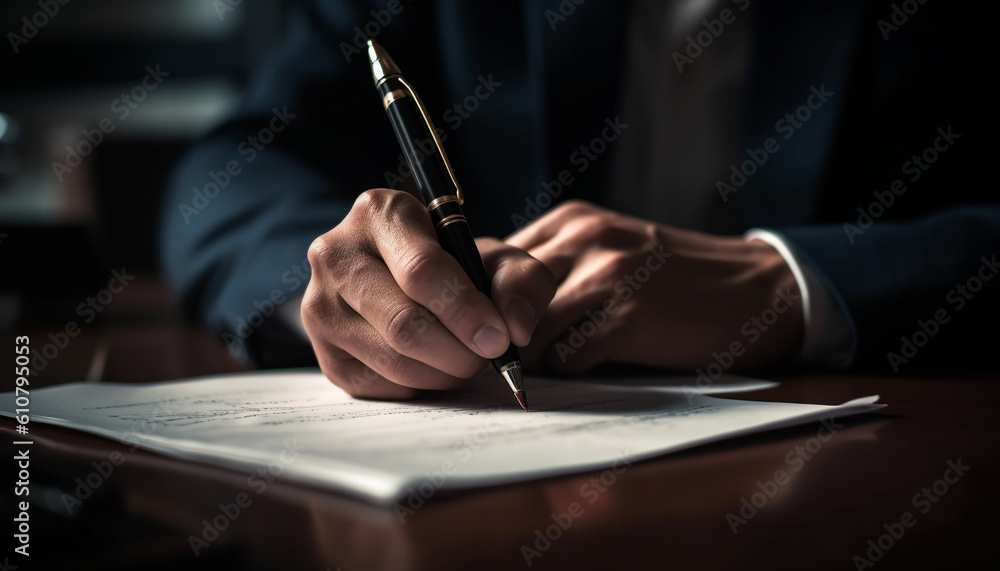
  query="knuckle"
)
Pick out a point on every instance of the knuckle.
point(581, 230)
point(575, 206)
point(315, 305)
point(620, 263)
point(395, 199)
point(384, 203)
point(337, 259)
point(371, 200)
point(325, 315)
point(404, 326)
point(310, 301)
point(419, 268)
point(318, 251)
point(402, 209)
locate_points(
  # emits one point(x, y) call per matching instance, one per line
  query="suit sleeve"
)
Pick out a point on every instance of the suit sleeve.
point(922, 295)
point(246, 202)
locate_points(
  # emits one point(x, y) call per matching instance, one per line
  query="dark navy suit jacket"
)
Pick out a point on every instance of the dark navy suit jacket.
point(235, 248)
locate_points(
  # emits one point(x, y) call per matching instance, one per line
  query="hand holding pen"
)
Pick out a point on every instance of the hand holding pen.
point(389, 310)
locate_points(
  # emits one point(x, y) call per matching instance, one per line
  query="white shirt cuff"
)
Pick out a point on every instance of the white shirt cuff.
point(829, 337)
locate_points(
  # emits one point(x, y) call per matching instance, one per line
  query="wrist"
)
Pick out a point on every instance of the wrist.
point(776, 326)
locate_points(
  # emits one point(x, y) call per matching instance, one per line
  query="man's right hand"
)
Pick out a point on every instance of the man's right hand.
point(389, 312)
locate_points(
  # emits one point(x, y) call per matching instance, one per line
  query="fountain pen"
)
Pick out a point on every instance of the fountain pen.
point(438, 187)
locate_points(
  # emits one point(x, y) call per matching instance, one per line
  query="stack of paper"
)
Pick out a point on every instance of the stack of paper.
point(299, 425)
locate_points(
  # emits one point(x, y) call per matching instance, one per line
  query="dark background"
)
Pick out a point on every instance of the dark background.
point(63, 238)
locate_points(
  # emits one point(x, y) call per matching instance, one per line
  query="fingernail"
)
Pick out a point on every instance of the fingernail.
point(522, 313)
point(490, 341)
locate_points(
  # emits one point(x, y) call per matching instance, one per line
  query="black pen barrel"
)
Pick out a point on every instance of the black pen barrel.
point(417, 142)
point(437, 187)
point(456, 239)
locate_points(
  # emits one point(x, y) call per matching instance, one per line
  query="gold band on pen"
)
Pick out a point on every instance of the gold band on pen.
point(448, 220)
point(441, 200)
point(392, 96)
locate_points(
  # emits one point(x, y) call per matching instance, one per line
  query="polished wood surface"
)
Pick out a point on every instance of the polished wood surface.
point(838, 492)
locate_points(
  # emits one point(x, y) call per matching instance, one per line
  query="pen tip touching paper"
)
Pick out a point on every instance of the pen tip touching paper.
point(522, 399)
point(512, 374)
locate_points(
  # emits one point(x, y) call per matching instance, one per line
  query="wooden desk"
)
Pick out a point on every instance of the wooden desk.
point(668, 513)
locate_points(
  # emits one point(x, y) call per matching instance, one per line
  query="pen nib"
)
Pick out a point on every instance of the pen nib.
point(512, 373)
point(523, 399)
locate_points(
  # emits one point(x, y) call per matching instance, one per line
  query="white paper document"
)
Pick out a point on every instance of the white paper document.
point(299, 425)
